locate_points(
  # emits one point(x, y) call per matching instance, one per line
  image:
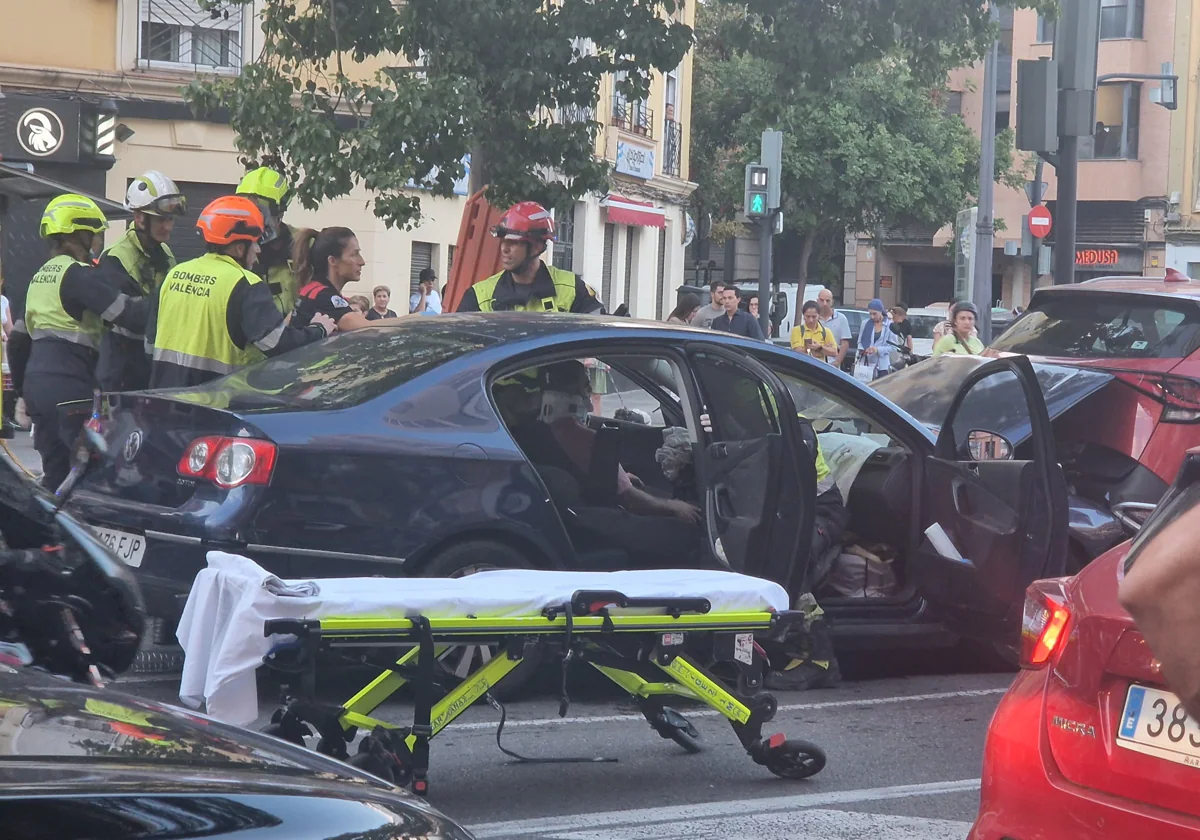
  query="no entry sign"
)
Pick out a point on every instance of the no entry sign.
point(1040, 221)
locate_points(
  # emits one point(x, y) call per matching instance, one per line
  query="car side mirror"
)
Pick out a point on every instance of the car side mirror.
point(988, 446)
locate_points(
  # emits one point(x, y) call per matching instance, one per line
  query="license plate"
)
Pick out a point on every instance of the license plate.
point(1155, 723)
point(129, 548)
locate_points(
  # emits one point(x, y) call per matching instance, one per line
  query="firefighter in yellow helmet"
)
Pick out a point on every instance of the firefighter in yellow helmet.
point(136, 265)
point(57, 343)
point(269, 190)
point(527, 284)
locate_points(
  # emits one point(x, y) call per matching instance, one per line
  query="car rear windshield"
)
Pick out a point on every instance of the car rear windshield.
point(1105, 326)
point(346, 370)
point(922, 325)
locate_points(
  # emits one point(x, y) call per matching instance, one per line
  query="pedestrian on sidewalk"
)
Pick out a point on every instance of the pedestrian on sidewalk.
point(426, 300)
point(382, 295)
point(689, 305)
point(837, 324)
point(705, 315)
point(876, 342)
point(735, 320)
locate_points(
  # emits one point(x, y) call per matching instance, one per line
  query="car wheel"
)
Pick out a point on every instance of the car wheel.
point(468, 558)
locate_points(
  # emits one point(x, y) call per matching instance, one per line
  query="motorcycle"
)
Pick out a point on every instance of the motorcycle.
point(67, 605)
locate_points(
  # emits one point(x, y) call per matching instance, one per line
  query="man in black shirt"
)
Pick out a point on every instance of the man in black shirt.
point(901, 326)
point(734, 320)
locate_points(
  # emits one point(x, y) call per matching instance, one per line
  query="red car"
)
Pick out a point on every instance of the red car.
point(1122, 445)
point(1088, 743)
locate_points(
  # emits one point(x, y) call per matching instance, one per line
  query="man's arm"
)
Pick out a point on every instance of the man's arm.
point(586, 302)
point(647, 504)
point(20, 345)
point(1162, 593)
point(254, 319)
point(469, 302)
point(416, 303)
point(80, 290)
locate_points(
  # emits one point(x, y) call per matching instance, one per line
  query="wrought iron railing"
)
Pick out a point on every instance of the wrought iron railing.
point(567, 114)
point(180, 32)
point(672, 158)
point(633, 117)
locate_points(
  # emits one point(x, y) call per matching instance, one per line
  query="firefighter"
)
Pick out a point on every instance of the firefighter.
point(215, 315)
point(58, 342)
point(136, 265)
point(269, 190)
point(527, 284)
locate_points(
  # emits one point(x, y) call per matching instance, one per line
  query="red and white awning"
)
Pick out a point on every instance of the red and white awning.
point(626, 211)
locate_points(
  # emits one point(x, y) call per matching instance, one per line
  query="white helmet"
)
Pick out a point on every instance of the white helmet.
point(155, 194)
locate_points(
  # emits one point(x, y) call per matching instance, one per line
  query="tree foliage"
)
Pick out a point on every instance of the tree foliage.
point(872, 147)
point(456, 77)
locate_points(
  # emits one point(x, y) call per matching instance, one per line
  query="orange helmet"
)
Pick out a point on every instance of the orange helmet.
point(229, 219)
point(526, 221)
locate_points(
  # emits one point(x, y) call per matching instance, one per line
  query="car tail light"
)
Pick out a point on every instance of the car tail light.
point(229, 462)
point(1179, 395)
point(1045, 622)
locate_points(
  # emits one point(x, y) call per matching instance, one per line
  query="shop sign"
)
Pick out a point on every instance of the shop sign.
point(1099, 257)
point(35, 129)
point(885, 281)
point(635, 160)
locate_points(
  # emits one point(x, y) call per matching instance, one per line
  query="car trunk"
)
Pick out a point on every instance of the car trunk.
point(147, 435)
point(1086, 694)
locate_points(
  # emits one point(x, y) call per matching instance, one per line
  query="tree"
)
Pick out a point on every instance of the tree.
point(876, 148)
point(457, 77)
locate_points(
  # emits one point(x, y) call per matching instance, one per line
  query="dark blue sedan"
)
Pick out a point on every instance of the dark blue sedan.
point(385, 451)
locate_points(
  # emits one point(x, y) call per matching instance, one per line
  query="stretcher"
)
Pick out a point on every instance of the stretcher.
point(661, 643)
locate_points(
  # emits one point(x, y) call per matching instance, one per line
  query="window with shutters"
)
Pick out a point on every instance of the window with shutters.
point(610, 243)
point(661, 288)
point(422, 258)
point(449, 261)
point(564, 248)
point(630, 245)
point(173, 33)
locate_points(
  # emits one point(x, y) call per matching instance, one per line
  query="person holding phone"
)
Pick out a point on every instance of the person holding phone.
point(812, 337)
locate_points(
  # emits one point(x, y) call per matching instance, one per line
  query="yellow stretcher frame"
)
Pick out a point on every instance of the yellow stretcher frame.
point(652, 657)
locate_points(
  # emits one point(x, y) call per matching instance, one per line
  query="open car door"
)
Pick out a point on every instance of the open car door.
point(994, 519)
point(756, 477)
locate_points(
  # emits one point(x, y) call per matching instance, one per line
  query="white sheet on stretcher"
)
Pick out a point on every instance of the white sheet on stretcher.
point(222, 626)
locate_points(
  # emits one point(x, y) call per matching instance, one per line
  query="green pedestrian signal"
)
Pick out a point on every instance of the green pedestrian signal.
point(758, 186)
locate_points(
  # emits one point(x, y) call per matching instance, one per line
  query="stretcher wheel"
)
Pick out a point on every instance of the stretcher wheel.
point(795, 760)
point(671, 724)
point(370, 764)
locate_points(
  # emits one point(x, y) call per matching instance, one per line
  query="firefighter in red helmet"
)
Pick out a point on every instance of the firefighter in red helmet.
point(527, 284)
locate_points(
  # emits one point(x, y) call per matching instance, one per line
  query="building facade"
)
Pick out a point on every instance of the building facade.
point(107, 87)
point(1182, 222)
point(1125, 208)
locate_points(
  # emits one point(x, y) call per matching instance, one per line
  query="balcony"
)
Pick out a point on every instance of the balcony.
point(569, 114)
point(672, 159)
point(633, 117)
point(179, 34)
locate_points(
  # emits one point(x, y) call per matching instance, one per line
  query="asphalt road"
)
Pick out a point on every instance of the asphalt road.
point(904, 760)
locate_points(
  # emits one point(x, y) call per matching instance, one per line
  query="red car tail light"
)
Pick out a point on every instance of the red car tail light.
point(1179, 395)
point(1044, 623)
point(229, 462)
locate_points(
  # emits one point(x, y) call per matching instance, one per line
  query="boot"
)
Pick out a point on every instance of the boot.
point(809, 661)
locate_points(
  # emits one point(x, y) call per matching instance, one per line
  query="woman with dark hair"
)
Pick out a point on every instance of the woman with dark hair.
point(324, 263)
point(689, 305)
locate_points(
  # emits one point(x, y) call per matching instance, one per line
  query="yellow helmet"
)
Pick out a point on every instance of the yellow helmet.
point(70, 213)
point(265, 183)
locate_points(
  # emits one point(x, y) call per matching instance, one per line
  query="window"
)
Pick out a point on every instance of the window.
point(180, 32)
point(564, 248)
point(661, 291)
point(1193, 270)
point(1118, 108)
point(829, 414)
point(449, 261)
point(422, 258)
point(631, 243)
point(606, 273)
point(952, 101)
point(1046, 29)
point(1104, 327)
point(1121, 18)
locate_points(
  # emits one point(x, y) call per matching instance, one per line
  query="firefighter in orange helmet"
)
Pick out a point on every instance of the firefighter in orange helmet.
point(215, 315)
point(527, 284)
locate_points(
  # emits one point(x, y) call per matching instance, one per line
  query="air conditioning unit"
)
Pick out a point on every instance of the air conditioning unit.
point(1172, 216)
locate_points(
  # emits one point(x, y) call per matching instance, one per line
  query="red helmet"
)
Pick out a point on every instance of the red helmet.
point(526, 221)
point(229, 219)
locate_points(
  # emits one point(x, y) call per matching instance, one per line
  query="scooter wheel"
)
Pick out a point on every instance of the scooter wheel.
point(284, 733)
point(796, 760)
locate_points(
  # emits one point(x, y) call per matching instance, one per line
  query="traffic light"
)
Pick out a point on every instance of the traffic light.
point(758, 183)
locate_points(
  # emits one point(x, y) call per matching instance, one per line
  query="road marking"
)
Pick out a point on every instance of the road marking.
point(675, 817)
point(697, 713)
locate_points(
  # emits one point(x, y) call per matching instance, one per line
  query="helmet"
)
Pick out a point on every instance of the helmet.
point(229, 219)
point(963, 306)
point(70, 213)
point(265, 183)
point(154, 193)
point(526, 221)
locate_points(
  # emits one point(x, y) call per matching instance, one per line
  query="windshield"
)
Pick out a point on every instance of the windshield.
point(345, 370)
point(1104, 326)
